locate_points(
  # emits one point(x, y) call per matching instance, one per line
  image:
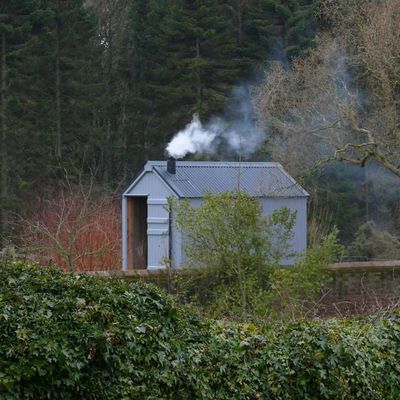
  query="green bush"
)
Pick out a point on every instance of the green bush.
point(73, 336)
point(294, 291)
point(229, 230)
point(65, 336)
point(230, 240)
point(273, 292)
point(372, 242)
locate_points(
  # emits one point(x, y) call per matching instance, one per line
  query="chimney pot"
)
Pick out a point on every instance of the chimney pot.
point(171, 165)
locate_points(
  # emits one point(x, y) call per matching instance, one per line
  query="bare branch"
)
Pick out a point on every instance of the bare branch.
point(317, 112)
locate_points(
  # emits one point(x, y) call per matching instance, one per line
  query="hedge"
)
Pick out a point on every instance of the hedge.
point(65, 336)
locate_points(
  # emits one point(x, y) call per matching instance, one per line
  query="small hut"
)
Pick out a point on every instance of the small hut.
point(149, 237)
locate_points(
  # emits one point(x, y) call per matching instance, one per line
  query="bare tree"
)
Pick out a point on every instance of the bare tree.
point(342, 101)
point(79, 229)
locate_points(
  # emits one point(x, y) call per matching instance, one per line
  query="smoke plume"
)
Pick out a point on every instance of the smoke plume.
point(194, 138)
point(235, 131)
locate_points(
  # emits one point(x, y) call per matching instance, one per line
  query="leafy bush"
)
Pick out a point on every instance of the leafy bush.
point(373, 242)
point(73, 336)
point(273, 292)
point(293, 291)
point(65, 336)
point(229, 230)
point(231, 240)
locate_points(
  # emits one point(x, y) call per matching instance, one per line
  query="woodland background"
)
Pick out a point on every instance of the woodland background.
point(90, 90)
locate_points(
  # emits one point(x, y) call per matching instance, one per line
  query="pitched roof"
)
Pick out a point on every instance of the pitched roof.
point(196, 178)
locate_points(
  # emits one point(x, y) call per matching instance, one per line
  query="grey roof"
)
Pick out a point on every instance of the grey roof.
point(196, 178)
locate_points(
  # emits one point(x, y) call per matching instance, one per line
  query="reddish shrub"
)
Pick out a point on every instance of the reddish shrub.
point(75, 230)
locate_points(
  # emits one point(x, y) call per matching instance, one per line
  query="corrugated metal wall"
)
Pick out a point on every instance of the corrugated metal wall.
point(298, 204)
point(158, 228)
point(269, 205)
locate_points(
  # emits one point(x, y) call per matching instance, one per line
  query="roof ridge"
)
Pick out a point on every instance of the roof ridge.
point(217, 164)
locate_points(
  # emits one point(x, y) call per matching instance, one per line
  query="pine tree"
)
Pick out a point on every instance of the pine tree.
point(259, 32)
point(45, 98)
point(133, 74)
point(147, 69)
point(271, 29)
point(73, 65)
point(201, 44)
point(300, 27)
point(17, 105)
point(179, 60)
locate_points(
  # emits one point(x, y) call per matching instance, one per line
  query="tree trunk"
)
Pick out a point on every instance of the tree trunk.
point(243, 292)
point(122, 133)
point(107, 151)
point(198, 78)
point(240, 21)
point(58, 139)
point(3, 151)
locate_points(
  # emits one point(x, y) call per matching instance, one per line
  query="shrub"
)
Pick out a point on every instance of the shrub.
point(273, 292)
point(70, 336)
point(230, 239)
point(78, 229)
point(73, 336)
point(229, 230)
point(373, 242)
point(294, 291)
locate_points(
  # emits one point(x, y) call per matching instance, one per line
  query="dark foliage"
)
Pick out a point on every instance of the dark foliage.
point(99, 87)
point(70, 336)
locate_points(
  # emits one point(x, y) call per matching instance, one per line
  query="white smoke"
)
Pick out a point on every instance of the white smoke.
point(194, 138)
point(235, 132)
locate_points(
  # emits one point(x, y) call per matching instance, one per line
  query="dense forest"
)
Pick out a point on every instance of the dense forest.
point(91, 89)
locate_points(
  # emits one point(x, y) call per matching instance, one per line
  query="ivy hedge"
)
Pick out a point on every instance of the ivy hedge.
point(65, 336)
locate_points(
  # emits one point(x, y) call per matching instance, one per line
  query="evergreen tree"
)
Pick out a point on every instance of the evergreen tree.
point(300, 27)
point(19, 103)
point(202, 56)
point(181, 60)
point(111, 114)
point(150, 74)
point(73, 57)
point(45, 99)
point(271, 29)
point(259, 32)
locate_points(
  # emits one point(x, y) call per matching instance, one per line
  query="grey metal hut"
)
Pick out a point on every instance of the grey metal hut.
point(149, 236)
